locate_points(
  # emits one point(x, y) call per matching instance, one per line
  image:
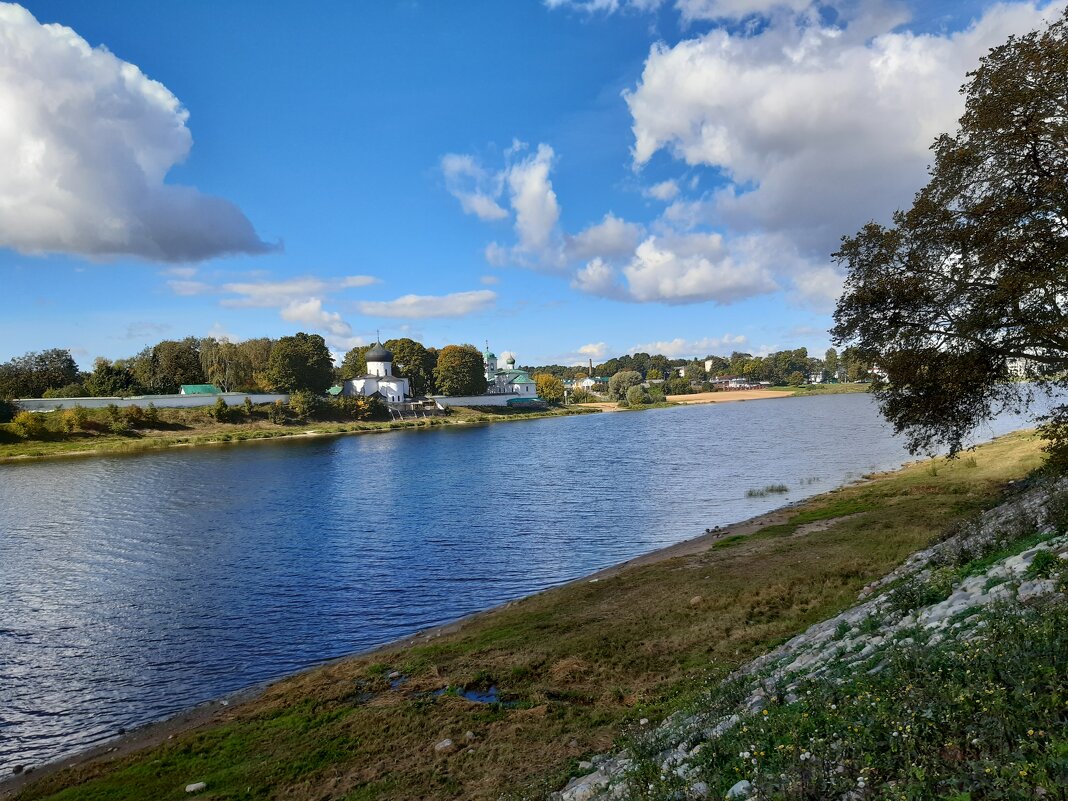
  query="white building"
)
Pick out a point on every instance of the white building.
point(379, 378)
point(508, 381)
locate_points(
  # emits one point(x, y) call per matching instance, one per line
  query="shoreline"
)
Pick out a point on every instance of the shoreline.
point(214, 710)
point(240, 436)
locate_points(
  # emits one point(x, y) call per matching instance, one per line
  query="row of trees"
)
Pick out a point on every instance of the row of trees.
point(301, 361)
point(288, 364)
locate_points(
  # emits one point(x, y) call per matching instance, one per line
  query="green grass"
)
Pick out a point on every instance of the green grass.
point(583, 662)
point(824, 389)
point(957, 720)
point(770, 489)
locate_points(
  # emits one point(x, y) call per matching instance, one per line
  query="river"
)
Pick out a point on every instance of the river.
point(133, 587)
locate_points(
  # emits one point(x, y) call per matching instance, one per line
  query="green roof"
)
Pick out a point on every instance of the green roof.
point(200, 389)
point(334, 391)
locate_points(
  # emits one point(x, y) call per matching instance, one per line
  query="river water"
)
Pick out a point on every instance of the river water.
point(133, 587)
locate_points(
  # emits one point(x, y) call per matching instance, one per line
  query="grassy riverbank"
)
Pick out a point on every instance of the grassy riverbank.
point(824, 389)
point(577, 666)
point(185, 427)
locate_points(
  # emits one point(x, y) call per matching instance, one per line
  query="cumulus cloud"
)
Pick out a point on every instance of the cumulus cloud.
point(817, 128)
point(599, 278)
point(457, 304)
point(534, 201)
point(693, 268)
point(594, 350)
point(680, 348)
point(525, 182)
point(607, 239)
point(88, 141)
point(310, 312)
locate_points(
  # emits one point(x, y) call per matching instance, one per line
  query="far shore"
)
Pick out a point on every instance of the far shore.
point(110, 445)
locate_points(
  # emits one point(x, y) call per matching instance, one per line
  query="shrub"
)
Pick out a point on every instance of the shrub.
point(248, 407)
point(75, 419)
point(134, 415)
point(220, 412)
point(29, 425)
point(919, 591)
point(656, 395)
point(304, 405)
point(120, 427)
point(7, 410)
point(151, 415)
point(637, 396)
point(1043, 565)
point(114, 413)
point(276, 413)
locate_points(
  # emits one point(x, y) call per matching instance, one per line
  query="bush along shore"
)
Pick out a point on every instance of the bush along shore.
point(80, 431)
point(949, 680)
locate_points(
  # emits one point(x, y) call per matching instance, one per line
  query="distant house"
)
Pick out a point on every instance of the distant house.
point(199, 389)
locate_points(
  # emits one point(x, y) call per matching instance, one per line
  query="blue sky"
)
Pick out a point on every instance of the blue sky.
point(566, 179)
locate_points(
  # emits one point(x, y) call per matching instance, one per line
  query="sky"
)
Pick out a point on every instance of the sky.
point(566, 179)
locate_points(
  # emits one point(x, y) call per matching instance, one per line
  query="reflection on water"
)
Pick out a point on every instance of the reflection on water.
point(134, 587)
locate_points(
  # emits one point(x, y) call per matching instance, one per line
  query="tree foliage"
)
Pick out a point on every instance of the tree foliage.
point(550, 388)
point(34, 373)
point(974, 273)
point(619, 383)
point(300, 362)
point(354, 364)
point(460, 371)
point(411, 360)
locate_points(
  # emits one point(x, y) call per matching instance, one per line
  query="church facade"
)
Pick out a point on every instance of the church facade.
point(379, 379)
point(509, 380)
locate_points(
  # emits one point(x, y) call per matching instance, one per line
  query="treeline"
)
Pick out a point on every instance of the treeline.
point(301, 362)
point(780, 368)
point(286, 364)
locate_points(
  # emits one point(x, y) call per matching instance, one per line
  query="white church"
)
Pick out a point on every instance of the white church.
point(507, 381)
point(379, 378)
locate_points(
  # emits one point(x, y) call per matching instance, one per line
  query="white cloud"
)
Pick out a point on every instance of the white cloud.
point(609, 238)
point(311, 312)
point(818, 129)
point(218, 331)
point(735, 9)
point(88, 140)
point(531, 199)
point(599, 278)
point(680, 348)
point(594, 350)
point(489, 280)
point(534, 201)
point(276, 294)
point(457, 304)
point(190, 288)
point(665, 190)
point(471, 184)
point(604, 6)
point(180, 272)
point(692, 268)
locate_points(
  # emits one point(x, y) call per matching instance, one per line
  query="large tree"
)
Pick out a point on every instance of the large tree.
point(300, 362)
point(33, 374)
point(975, 274)
point(460, 371)
point(621, 382)
point(550, 387)
point(411, 360)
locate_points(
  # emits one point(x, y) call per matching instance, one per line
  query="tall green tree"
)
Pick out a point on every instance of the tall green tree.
point(112, 380)
point(300, 362)
point(34, 373)
point(354, 364)
point(975, 273)
point(621, 382)
point(411, 360)
point(460, 371)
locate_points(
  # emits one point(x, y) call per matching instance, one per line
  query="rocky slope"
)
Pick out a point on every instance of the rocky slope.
point(947, 678)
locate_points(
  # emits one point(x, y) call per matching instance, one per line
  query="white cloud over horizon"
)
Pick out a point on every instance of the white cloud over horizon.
point(421, 307)
point(680, 348)
point(88, 141)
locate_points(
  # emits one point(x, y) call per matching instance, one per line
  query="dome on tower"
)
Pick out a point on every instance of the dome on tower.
point(510, 360)
point(378, 354)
